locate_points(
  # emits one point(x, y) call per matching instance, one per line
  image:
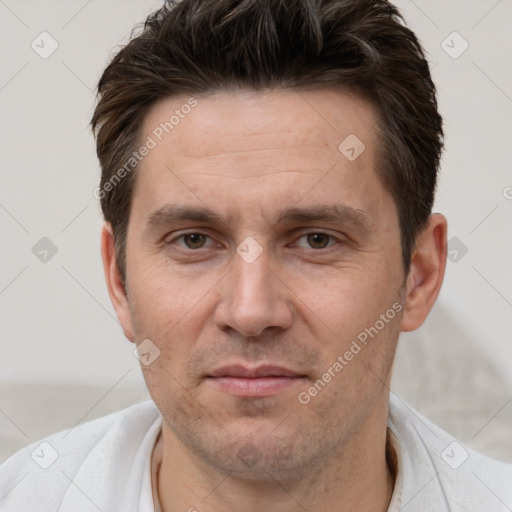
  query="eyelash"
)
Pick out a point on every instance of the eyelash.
point(305, 234)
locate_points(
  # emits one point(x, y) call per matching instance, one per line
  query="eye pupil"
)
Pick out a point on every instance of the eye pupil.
point(194, 240)
point(318, 240)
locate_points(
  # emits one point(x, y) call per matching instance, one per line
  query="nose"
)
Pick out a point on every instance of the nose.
point(253, 298)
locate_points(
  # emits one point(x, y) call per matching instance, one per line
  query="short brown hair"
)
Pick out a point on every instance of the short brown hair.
point(195, 47)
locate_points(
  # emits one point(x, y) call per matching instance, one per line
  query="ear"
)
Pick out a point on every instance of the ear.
point(114, 282)
point(426, 275)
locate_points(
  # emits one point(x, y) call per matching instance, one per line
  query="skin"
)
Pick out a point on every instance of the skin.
point(248, 156)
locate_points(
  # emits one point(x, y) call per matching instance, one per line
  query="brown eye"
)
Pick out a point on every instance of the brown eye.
point(194, 240)
point(318, 240)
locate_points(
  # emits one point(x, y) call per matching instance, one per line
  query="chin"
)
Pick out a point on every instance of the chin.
point(254, 451)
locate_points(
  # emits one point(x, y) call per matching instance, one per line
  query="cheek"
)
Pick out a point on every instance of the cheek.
point(359, 322)
point(346, 301)
point(164, 300)
point(169, 379)
point(175, 399)
point(172, 316)
point(352, 375)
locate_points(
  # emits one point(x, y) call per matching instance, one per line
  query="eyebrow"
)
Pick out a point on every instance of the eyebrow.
point(332, 213)
point(335, 213)
point(169, 214)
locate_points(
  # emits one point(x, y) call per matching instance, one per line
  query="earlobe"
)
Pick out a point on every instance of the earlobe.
point(116, 289)
point(426, 274)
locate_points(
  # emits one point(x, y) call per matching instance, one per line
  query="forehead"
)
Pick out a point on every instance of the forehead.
point(266, 145)
point(233, 122)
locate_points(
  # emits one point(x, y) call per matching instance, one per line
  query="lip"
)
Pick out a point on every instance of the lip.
point(260, 381)
point(241, 371)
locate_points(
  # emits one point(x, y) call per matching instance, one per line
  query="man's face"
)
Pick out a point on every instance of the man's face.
point(257, 253)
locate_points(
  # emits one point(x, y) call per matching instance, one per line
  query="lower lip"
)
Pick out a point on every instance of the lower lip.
point(254, 387)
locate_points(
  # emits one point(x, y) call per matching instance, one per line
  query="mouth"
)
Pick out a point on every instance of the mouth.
point(261, 381)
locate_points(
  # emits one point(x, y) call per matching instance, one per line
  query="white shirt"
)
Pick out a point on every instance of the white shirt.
point(105, 465)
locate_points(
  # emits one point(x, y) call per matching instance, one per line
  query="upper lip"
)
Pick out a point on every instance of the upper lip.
point(241, 371)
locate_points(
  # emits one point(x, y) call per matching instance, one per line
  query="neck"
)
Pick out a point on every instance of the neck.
point(359, 476)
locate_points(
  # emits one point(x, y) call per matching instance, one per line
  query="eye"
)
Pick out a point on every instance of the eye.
point(318, 240)
point(192, 240)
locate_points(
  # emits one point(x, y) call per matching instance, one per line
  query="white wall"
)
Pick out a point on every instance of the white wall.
point(57, 324)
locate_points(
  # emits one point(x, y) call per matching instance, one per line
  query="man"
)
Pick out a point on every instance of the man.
point(268, 175)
